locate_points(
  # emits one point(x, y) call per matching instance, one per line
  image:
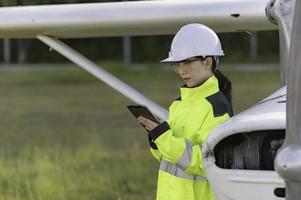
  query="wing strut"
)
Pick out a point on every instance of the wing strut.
point(288, 159)
point(103, 75)
point(281, 12)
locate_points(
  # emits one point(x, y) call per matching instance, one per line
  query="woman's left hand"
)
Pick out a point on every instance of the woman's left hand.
point(148, 124)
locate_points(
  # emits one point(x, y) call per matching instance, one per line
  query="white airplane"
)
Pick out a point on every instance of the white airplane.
point(239, 154)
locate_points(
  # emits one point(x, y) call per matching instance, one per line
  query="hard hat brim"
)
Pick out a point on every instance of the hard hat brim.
point(171, 60)
point(179, 59)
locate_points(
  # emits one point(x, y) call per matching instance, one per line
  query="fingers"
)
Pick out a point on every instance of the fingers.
point(147, 123)
point(142, 120)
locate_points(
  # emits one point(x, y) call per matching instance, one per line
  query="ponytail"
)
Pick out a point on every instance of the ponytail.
point(224, 83)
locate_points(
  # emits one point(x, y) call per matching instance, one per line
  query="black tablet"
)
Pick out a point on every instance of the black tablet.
point(139, 110)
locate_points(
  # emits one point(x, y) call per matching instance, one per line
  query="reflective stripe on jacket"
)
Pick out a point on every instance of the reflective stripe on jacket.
point(177, 143)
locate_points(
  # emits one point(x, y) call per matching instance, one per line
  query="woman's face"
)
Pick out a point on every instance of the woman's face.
point(194, 71)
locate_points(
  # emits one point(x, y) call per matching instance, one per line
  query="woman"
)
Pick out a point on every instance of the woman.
point(204, 104)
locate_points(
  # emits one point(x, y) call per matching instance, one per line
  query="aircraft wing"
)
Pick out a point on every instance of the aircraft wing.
point(132, 18)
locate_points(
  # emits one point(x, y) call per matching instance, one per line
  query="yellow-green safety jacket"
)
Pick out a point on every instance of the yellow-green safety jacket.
point(177, 143)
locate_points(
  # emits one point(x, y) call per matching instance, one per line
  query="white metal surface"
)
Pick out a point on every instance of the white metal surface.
point(234, 184)
point(132, 18)
point(244, 184)
point(288, 160)
point(103, 75)
point(281, 12)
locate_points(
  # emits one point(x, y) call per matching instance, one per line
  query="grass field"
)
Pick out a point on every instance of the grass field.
point(64, 135)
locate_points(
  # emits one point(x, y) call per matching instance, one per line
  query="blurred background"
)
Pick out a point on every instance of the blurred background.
point(66, 135)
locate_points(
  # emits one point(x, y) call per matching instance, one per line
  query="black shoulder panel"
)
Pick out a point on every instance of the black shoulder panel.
point(220, 104)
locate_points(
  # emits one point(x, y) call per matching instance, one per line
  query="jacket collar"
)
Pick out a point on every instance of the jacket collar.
point(209, 87)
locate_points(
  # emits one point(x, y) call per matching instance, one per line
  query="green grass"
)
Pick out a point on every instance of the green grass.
point(64, 135)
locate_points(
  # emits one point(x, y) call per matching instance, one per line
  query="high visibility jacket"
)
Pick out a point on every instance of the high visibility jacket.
point(177, 143)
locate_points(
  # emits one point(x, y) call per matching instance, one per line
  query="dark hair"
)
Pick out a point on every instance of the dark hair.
point(224, 83)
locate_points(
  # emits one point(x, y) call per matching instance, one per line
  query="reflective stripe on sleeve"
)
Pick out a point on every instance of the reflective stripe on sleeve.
point(185, 159)
point(178, 172)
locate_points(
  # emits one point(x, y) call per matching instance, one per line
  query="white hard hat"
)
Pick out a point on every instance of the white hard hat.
point(194, 40)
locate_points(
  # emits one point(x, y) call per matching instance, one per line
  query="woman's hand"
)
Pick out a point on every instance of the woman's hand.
point(148, 124)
